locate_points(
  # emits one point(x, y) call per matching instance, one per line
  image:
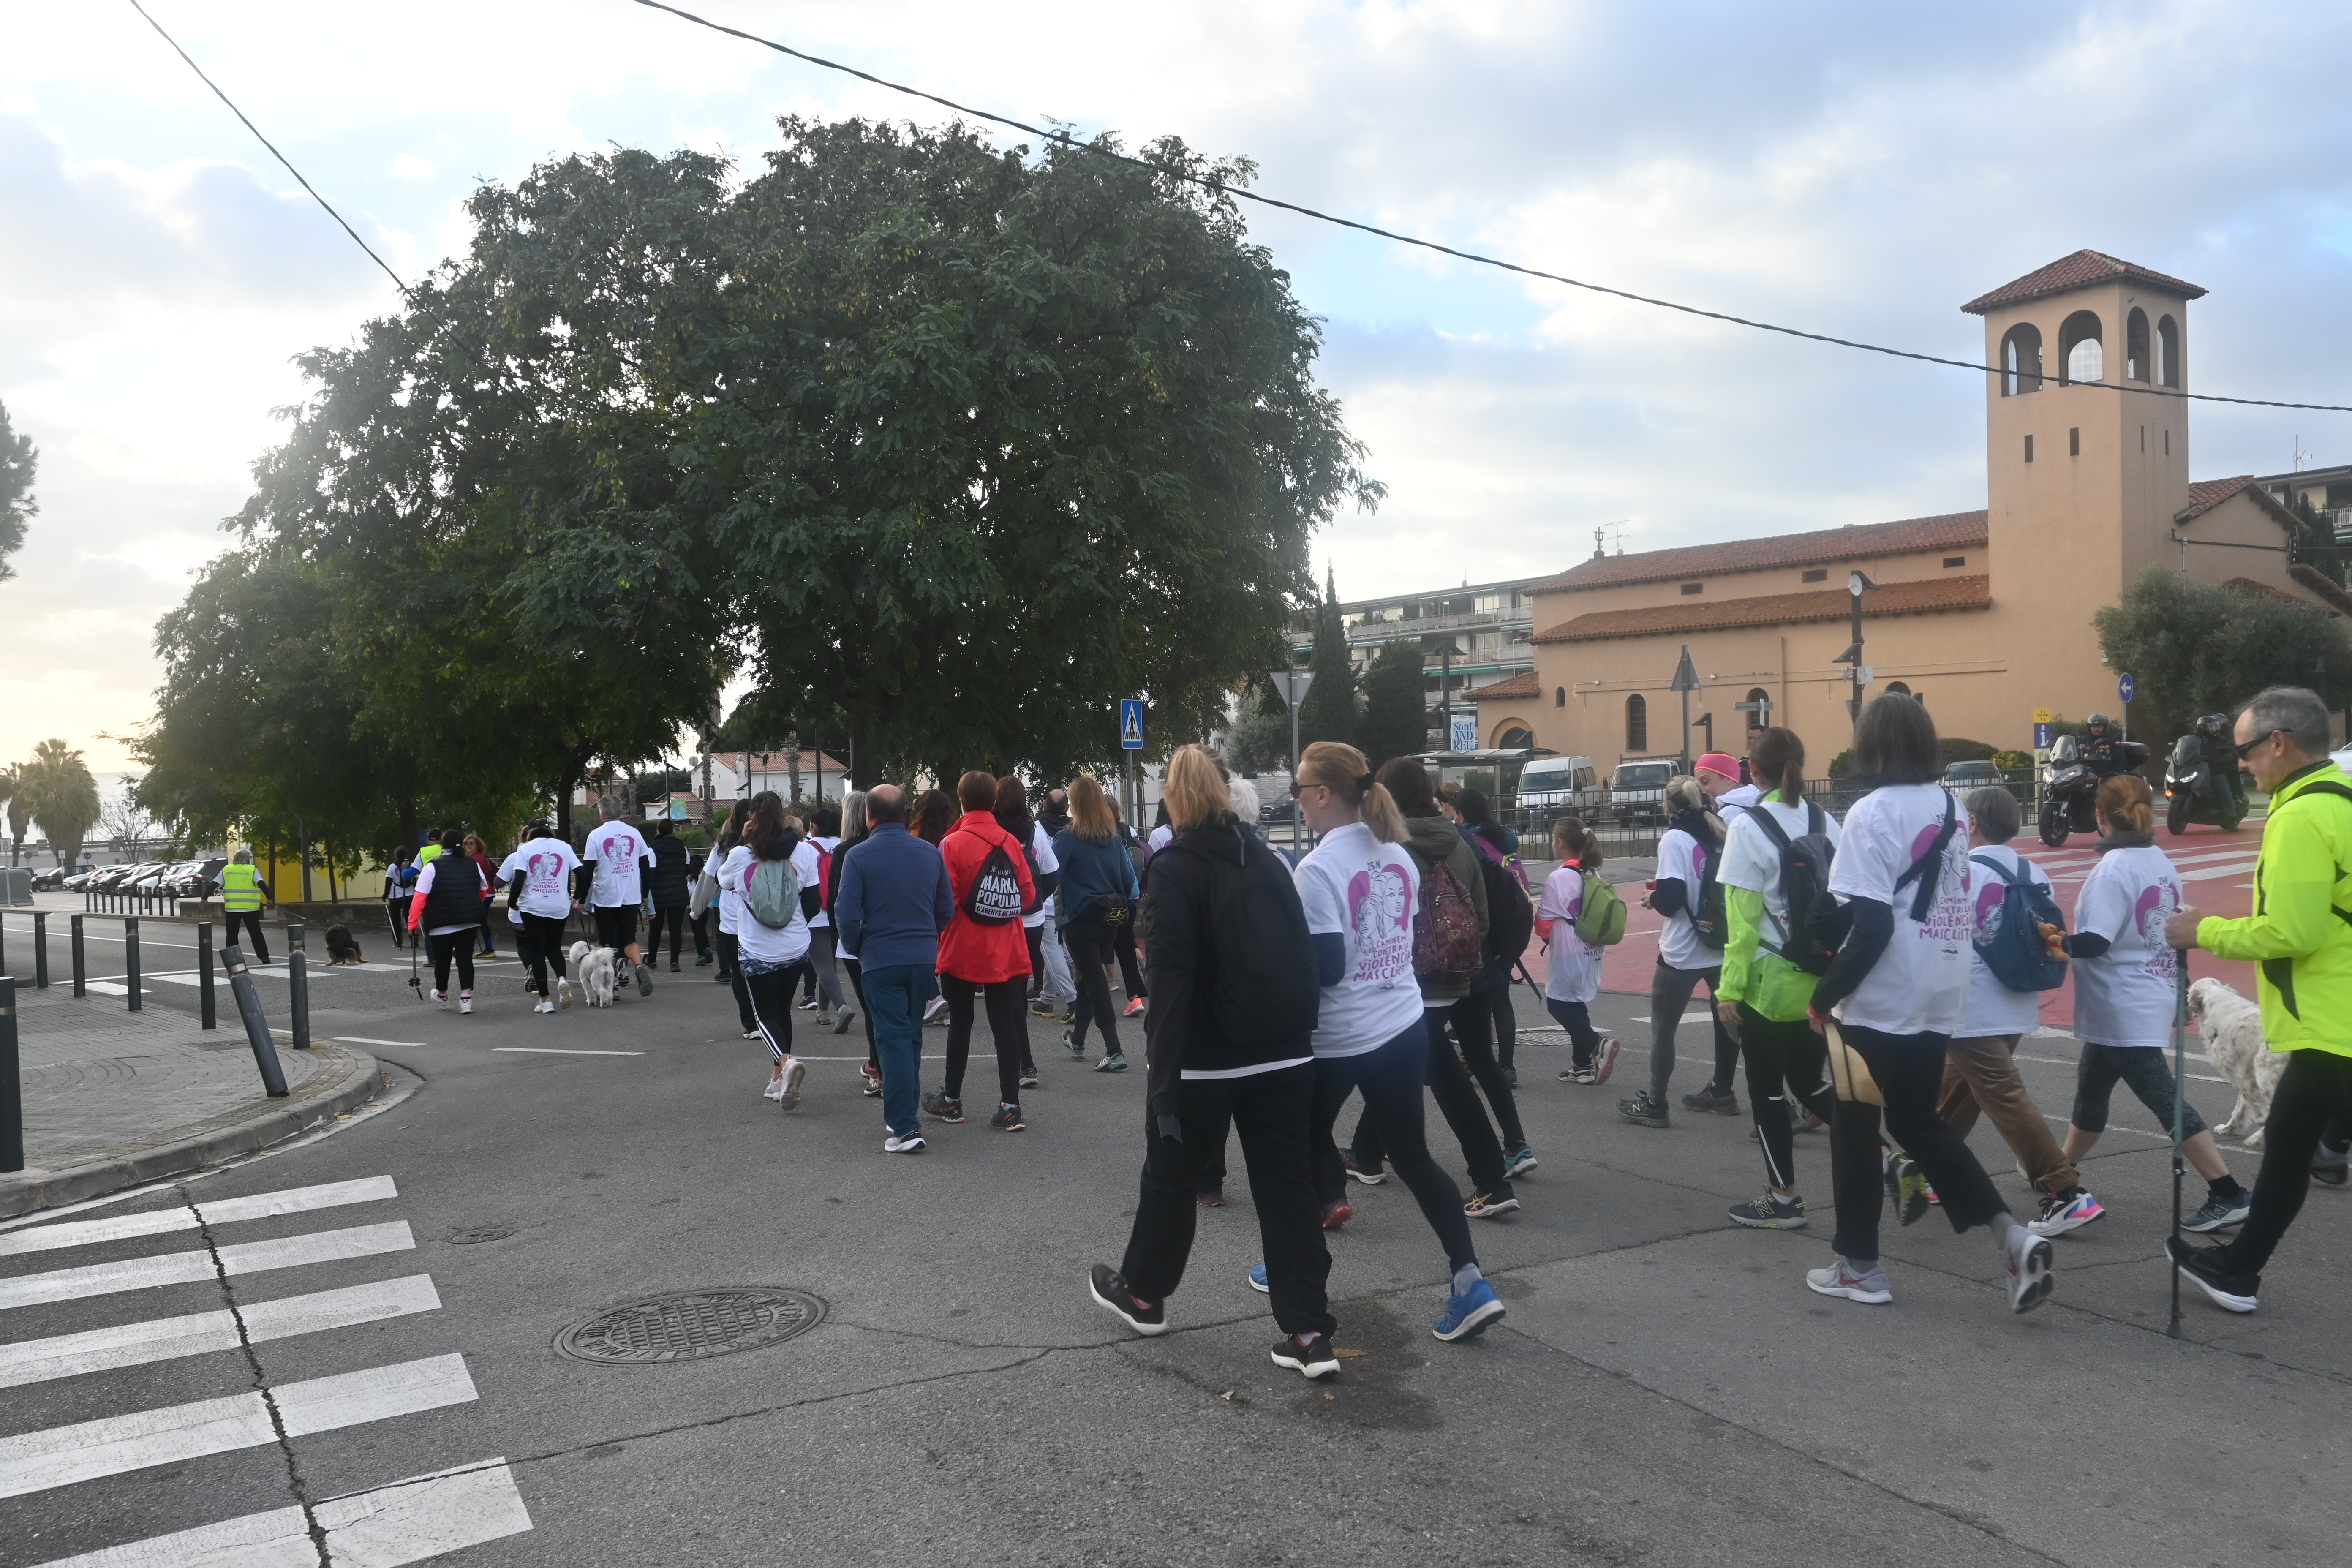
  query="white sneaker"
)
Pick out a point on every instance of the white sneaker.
point(465, 1003)
point(775, 1089)
point(933, 1009)
point(912, 1143)
point(441, 1000)
point(563, 994)
point(2026, 1259)
point(1869, 1286)
point(793, 1073)
point(544, 1007)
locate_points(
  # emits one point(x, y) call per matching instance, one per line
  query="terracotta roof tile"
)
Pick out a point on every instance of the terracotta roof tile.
point(1922, 596)
point(1521, 685)
point(2318, 583)
point(2248, 585)
point(2085, 267)
point(1861, 542)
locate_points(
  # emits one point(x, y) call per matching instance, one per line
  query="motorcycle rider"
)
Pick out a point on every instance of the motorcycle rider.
point(2221, 762)
point(2103, 750)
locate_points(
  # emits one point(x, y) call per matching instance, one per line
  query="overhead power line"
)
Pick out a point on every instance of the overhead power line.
point(1244, 193)
point(265, 140)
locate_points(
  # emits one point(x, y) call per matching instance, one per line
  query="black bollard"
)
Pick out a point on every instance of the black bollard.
point(208, 1010)
point(131, 957)
point(256, 1027)
point(12, 1098)
point(298, 980)
point(80, 970)
point(41, 950)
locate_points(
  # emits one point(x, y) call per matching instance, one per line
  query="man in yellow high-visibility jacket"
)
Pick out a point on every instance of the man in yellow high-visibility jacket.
point(2301, 934)
point(243, 893)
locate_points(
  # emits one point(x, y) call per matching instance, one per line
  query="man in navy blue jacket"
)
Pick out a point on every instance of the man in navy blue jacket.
point(894, 901)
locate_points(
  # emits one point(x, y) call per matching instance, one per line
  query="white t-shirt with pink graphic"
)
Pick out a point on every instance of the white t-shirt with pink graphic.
point(1364, 891)
point(622, 859)
point(1681, 859)
point(1572, 968)
point(1920, 985)
point(2126, 995)
point(547, 865)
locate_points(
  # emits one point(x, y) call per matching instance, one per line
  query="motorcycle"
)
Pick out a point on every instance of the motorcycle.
point(2070, 789)
point(2193, 794)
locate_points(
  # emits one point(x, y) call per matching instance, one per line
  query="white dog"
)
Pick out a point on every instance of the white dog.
point(593, 968)
point(2232, 1029)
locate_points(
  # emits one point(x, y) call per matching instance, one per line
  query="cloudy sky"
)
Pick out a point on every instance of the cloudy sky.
point(1858, 169)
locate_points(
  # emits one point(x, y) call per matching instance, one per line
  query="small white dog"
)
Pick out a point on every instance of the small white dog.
point(2233, 1030)
point(593, 966)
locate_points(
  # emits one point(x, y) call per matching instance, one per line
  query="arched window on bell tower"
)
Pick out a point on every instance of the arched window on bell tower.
point(2168, 352)
point(2081, 355)
point(2136, 345)
point(2021, 360)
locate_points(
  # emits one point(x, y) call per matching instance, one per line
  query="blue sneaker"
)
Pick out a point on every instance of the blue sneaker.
point(1258, 1281)
point(1470, 1314)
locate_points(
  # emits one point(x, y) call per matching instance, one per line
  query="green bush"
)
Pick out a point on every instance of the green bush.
point(1951, 749)
point(2012, 762)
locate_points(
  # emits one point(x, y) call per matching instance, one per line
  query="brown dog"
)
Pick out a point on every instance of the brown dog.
point(343, 947)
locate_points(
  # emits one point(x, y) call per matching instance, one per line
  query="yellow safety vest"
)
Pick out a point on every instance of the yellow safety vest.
point(240, 888)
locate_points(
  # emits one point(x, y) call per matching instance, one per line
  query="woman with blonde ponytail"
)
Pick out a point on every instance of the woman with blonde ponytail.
point(1360, 888)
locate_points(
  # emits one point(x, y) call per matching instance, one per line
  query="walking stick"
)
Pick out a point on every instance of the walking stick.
point(2179, 1119)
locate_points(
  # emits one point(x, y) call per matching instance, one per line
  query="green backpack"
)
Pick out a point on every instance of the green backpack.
point(1602, 919)
point(772, 893)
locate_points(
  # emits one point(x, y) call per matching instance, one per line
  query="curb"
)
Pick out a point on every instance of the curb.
point(52, 1189)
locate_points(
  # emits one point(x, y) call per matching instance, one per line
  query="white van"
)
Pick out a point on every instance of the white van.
point(1560, 784)
point(1637, 791)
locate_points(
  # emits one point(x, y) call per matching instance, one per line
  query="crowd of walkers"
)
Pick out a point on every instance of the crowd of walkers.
point(1872, 977)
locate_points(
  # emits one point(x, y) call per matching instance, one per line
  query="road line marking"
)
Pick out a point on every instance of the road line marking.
point(292, 1200)
point(200, 1333)
point(563, 1051)
point(363, 1040)
point(90, 1450)
point(385, 1527)
point(186, 1267)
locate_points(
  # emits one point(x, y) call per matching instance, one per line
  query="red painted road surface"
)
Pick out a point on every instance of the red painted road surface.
point(2217, 873)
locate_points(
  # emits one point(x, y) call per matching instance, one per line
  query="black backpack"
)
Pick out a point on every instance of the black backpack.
point(1805, 863)
point(1510, 918)
point(994, 896)
point(1708, 918)
point(1262, 983)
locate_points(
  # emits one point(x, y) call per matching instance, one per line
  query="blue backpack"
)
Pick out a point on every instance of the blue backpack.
point(2015, 951)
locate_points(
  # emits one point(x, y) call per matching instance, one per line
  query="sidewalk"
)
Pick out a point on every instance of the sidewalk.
point(113, 1098)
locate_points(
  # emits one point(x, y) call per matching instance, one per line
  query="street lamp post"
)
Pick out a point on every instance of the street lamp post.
point(1856, 584)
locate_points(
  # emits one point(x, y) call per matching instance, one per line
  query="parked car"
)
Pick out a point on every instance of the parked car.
point(1970, 775)
point(1556, 785)
point(199, 879)
point(118, 878)
point(1637, 789)
point(54, 876)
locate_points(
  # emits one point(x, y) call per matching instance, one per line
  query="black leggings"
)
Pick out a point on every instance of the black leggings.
point(1005, 1031)
point(1036, 935)
point(2140, 1069)
point(457, 944)
point(1089, 943)
point(1909, 1071)
point(1131, 973)
point(1456, 1097)
point(542, 945)
point(1473, 1018)
point(2312, 1105)
point(1784, 1061)
point(1506, 1022)
point(730, 963)
point(674, 918)
point(1391, 1079)
point(770, 995)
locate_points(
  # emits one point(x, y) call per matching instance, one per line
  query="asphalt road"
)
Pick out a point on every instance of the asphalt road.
point(1665, 1389)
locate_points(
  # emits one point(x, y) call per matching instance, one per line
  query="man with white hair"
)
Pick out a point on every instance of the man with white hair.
point(2301, 933)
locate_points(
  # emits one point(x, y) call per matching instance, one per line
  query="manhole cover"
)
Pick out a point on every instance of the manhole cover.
point(474, 1235)
point(690, 1324)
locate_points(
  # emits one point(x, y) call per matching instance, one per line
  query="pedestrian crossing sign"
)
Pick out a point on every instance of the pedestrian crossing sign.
point(1130, 723)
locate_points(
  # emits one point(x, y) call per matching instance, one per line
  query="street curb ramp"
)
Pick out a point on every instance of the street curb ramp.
point(30, 1191)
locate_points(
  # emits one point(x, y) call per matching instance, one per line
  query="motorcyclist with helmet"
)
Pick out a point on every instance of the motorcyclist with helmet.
point(2102, 749)
point(2214, 734)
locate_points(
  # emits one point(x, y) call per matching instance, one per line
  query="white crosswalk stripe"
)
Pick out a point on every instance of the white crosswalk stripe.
point(409, 1520)
point(385, 1527)
point(162, 1222)
point(184, 1268)
point(165, 1339)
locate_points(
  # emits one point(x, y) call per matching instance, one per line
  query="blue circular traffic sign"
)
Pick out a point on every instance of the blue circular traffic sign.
point(2123, 686)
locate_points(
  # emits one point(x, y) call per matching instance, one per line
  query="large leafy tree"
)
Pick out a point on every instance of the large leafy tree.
point(19, 460)
point(2205, 647)
point(1396, 704)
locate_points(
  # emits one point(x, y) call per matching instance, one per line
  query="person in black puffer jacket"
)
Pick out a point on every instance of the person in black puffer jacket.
point(671, 891)
point(448, 908)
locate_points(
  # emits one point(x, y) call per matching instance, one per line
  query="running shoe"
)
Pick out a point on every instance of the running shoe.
point(1906, 1186)
point(933, 1009)
point(441, 1000)
point(841, 1025)
point(1134, 1007)
point(1370, 1175)
point(466, 1003)
point(1258, 1281)
point(1029, 1076)
point(2208, 1269)
point(644, 979)
point(1008, 1119)
point(1337, 1213)
point(563, 994)
point(702, 959)
point(1470, 1314)
point(673, 966)
point(1041, 1009)
point(1491, 1206)
point(2220, 1213)
point(2062, 1212)
point(793, 1073)
point(1770, 1212)
point(1522, 1161)
point(1071, 1044)
point(2027, 1257)
point(544, 1006)
point(1115, 1062)
point(1315, 1358)
point(1510, 1075)
point(1642, 1110)
point(1585, 1074)
point(1111, 1294)
point(1869, 1286)
point(1209, 1198)
point(941, 1107)
point(2330, 1165)
point(806, 1004)
point(1713, 1101)
point(774, 1090)
point(909, 1143)
point(1606, 1057)
point(872, 1086)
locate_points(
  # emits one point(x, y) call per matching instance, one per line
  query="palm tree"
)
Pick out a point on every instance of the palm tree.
point(20, 811)
point(61, 793)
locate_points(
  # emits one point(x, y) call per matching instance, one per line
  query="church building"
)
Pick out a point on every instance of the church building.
point(1984, 616)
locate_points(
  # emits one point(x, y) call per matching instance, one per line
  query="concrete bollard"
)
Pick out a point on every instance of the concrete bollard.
point(256, 1027)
